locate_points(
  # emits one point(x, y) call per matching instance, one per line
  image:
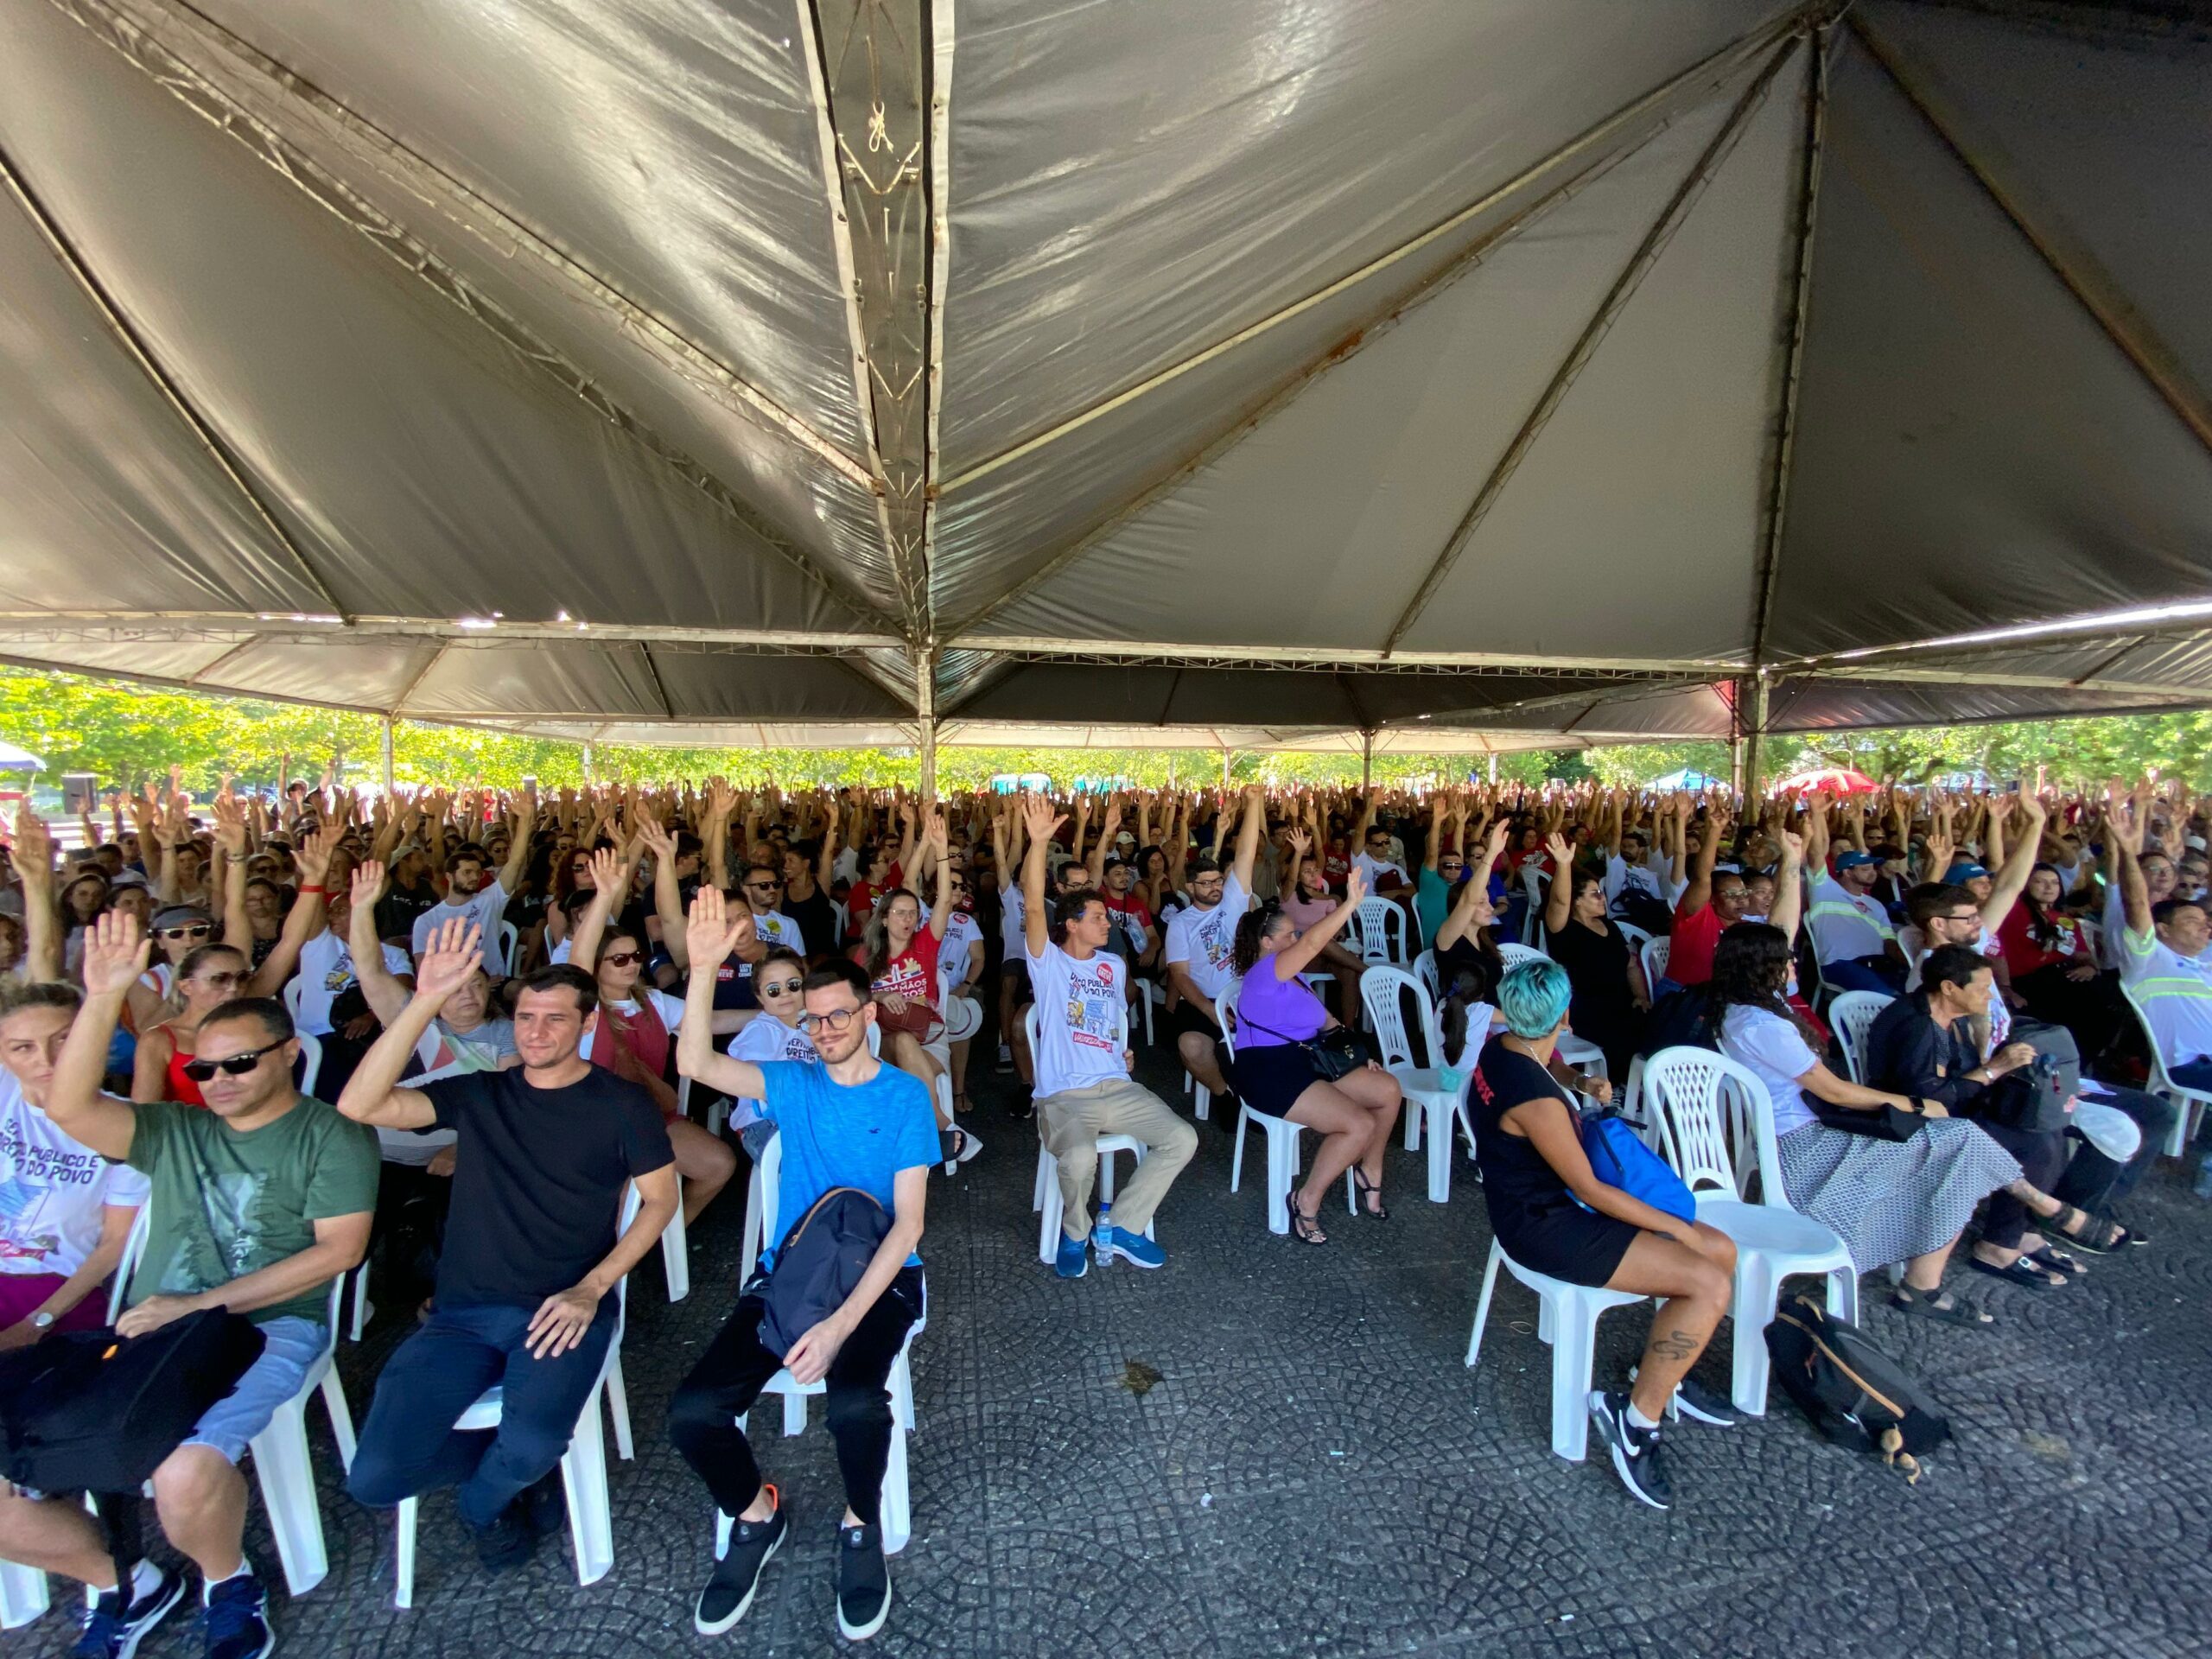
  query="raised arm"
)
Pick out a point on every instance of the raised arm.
point(1699, 893)
point(1301, 843)
point(303, 921)
point(230, 858)
point(1790, 884)
point(1298, 955)
point(1559, 905)
point(115, 955)
point(610, 876)
point(2011, 878)
point(668, 897)
point(383, 991)
point(1107, 830)
point(710, 934)
point(1041, 825)
point(938, 837)
point(1476, 890)
point(34, 854)
point(1816, 833)
point(371, 1094)
point(1248, 833)
point(526, 825)
point(2124, 829)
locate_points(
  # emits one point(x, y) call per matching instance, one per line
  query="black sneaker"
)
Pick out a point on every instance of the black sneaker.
point(1636, 1451)
point(1022, 1107)
point(863, 1582)
point(111, 1631)
point(238, 1619)
point(737, 1575)
point(1700, 1404)
point(506, 1545)
point(545, 1506)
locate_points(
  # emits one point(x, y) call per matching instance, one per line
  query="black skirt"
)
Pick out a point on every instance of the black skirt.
point(1269, 1080)
point(1570, 1243)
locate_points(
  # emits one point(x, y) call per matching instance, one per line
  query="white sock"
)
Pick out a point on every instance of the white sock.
point(207, 1587)
point(1637, 1419)
point(145, 1578)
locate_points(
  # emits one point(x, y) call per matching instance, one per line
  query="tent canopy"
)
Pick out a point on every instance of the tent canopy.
point(1443, 374)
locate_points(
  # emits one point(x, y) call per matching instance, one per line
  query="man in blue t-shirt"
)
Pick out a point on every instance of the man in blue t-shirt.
point(850, 1121)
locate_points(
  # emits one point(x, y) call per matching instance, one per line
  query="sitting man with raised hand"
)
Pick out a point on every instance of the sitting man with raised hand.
point(1084, 1087)
point(1202, 945)
point(852, 1121)
point(258, 1202)
point(526, 1292)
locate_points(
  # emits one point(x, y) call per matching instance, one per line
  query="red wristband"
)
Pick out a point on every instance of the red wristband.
point(305, 891)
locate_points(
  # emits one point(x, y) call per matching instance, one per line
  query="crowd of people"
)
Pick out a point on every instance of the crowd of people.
point(548, 1029)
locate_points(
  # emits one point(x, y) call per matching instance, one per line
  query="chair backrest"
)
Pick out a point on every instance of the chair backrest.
point(134, 1252)
point(1378, 929)
point(838, 916)
point(2159, 1080)
point(1714, 1121)
point(310, 1060)
point(510, 945)
point(1654, 962)
point(291, 994)
point(1225, 1005)
point(1431, 981)
point(1853, 1015)
point(1515, 954)
point(1537, 886)
point(1638, 937)
point(1383, 991)
point(770, 1163)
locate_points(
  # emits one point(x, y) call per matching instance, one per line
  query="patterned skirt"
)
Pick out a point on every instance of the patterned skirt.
point(1889, 1200)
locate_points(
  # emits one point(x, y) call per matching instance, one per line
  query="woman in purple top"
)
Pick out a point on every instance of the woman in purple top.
point(1274, 1017)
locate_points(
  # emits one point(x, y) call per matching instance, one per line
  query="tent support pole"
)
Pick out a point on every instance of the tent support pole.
point(383, 744)
point(1493, 766)
point(1224, 771)
point(587, 778)
point(925, 713)
point(1752, 694)
point(1367, 759)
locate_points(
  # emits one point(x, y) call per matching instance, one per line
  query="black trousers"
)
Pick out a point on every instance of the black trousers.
point(728, 1378)
point(2092, 1180)
point(2043, 1160)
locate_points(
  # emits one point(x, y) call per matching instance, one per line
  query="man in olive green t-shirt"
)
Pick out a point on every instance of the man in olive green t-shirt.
point(258, 1202)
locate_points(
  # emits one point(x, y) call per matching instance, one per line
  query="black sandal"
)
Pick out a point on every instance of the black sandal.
point(1360, 1182)
point(2097, 1237)
point(1927, 1305)
point(1305, 1228)
point(2022, 1270)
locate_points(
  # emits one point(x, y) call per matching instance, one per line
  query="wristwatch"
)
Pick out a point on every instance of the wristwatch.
point(42, 1320)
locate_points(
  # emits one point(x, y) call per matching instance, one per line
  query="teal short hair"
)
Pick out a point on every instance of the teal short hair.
point(1533, 996)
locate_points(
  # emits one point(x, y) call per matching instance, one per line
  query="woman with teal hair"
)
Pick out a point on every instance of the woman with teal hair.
point(1552, 1214)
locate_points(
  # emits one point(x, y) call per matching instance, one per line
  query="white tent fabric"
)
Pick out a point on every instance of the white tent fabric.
point(1442, 374)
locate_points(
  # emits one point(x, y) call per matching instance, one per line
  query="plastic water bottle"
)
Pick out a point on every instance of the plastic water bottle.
point(1102, 1230)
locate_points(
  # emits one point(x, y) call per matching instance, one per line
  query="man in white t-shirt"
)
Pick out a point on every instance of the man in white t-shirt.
point(473, 896)
point(326, 972)
point(1384, 873)
point(1202, 945)
point(1083, 1086)
point(2164, 960)
point(65, 1210)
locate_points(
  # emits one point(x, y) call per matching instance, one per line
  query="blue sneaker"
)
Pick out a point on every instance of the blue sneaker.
point(1074, 1259)
point(1133, 1247)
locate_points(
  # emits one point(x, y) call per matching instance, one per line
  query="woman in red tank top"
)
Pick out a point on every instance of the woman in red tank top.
point(208, 978)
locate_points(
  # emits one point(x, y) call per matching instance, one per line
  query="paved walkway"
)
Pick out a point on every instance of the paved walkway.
point(1314, 1472)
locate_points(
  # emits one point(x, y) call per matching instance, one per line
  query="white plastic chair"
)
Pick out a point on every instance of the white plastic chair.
point(1283, 1156)
point(1716, 1127)
point(1638, 937)
point(1655, 952)
point(897, 1518)
point(1853, 1015)
point(1429, 1104)
point(2189, 1104)
point(1514, 955)
point(1151, 994)
point(310, 1060)
point(758, 1205)
point(510, 947)
point(676, 1252)
point(1432, 982)
point(1044, 1194)
point(281, 1463)
point(583, 1465)
point(1536, 886)
point(23, 1595)
point(1566, 1318)
point(1378, 930)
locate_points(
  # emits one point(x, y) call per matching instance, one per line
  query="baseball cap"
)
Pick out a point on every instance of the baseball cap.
point(1853, 859)
point(180, 916)
point(128, 879)
point(1964, 869)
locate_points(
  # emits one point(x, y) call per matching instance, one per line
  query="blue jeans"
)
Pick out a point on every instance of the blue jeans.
point(409, 1446)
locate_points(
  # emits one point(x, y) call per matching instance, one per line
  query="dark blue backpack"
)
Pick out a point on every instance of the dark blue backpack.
point(819, 1264)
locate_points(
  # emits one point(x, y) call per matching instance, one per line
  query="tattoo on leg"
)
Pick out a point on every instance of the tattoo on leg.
point(1675, 1344)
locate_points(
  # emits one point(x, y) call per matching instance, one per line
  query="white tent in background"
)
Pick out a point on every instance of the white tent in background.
point(1429, 375)
point(15, 759)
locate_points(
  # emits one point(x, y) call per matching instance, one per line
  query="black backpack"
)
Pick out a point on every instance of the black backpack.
point(1855, 1394)
point(1683, 1019)
point(819, 1264)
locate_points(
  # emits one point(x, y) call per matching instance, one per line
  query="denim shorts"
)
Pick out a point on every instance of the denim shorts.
point(290, 1346)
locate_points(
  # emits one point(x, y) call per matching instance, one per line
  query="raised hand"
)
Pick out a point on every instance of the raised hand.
point(1355, 887)
point(609, 872)
point(314, 856)
point(34, 849)
point(452, 954)
point(115, 953)
point(710, 933)
point(655, 836)
point(1793, 847)
point(230, 825)
point(1301, 841)
point(1038, 818)
point(1555, 844)
point(368, 886)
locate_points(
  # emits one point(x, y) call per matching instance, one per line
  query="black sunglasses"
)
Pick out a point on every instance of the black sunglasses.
point(782, 987)
point(234, 1065)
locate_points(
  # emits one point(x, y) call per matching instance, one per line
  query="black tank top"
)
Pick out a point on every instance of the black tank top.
point(1516, 1181)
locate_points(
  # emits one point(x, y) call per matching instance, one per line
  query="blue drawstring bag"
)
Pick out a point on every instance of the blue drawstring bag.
point(1619, 1159)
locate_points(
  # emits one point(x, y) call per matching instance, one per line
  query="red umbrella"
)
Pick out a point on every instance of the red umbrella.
point(1836, 780)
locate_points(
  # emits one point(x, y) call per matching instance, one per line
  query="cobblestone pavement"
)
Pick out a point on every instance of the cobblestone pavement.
point(1315, 1472)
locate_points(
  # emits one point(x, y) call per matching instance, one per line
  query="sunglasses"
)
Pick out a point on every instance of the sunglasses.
point(622, 958)
point(232, 1066)
point(222, 979)
point(782, 987)
point(764, 886)
point(197, 930)
point(836, 1020)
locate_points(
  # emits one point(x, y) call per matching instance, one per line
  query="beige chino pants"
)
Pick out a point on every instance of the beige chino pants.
point(1070, 1124)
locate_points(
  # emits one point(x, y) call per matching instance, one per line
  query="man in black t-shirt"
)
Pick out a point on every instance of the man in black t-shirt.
point(525, 1286)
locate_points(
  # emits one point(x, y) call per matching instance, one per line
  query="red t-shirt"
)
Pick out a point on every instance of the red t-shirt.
point(911, 974)
point(1689, 958)
point(860, 901)
point(2024, 957)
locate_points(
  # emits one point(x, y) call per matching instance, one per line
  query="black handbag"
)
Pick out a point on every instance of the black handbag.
point(1885, 1123)
point(1336, 1053)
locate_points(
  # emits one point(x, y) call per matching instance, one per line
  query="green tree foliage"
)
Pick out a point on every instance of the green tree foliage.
point(125, 733)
